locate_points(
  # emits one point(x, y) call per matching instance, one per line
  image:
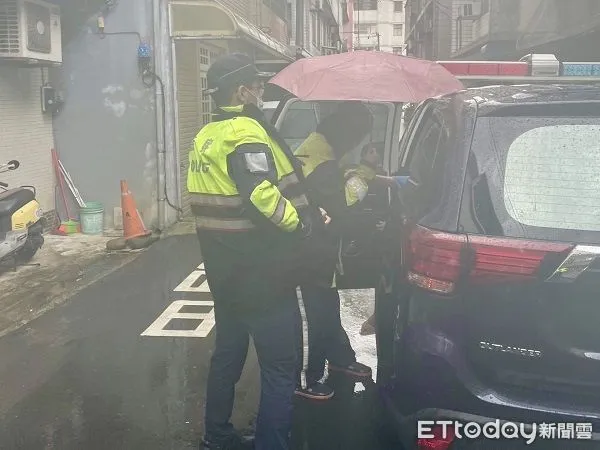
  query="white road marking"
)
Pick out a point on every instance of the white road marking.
point(187, 285)
point(356, 307)
point(174, 312)
point(190, 284)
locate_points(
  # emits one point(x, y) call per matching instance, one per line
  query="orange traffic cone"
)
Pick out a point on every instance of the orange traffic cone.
point(133, 226)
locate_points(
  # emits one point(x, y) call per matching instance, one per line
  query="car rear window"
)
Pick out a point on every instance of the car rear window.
point(552, 177)
point(536, 177)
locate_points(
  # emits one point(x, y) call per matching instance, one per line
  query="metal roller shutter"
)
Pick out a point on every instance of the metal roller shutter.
point(193, 108)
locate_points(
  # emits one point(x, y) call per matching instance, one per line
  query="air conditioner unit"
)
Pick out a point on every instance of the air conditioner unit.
point(30, 31)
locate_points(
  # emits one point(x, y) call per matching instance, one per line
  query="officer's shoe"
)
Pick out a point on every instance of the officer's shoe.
point(356, 370)
point(233, 442)
point(316, 391)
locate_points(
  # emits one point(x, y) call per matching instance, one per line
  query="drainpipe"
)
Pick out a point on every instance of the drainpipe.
point(169, 196)
point(160, 144)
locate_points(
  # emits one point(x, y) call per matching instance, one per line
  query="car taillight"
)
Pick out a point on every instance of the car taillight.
point(434, 259)
point(502, 259)
point(440, 441)
point(438, 259)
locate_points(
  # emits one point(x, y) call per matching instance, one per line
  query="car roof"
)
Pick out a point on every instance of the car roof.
point(493, 97)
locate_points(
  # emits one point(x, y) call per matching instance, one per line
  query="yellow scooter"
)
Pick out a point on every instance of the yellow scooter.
point(21, 225)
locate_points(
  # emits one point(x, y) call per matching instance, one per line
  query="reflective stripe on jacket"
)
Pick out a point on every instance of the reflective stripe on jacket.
point(216, 200)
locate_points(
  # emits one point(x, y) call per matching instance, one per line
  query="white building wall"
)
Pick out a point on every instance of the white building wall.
point(336, 8)
point(294, 19)
point(383, 21)
point(25, 133)
point(313, 19)
point(458, 11)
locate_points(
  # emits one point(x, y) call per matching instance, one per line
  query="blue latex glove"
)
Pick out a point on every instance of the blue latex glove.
point(401, 180)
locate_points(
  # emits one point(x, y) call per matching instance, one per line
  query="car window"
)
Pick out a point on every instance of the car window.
point(425, 161)
point(378, 133)
point(301, 119)
point(414, 117)
point(535, 177)
point(425, 147)
point(380, 123)
point(552, 177)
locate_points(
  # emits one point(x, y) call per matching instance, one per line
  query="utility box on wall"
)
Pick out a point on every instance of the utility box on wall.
point(49, 100)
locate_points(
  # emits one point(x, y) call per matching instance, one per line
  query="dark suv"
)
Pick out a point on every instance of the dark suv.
point(495, 310)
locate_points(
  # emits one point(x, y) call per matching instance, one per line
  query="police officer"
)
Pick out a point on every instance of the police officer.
point(320, 153)
point(250, 214)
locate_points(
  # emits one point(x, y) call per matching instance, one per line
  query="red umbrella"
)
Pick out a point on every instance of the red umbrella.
point(366, 76)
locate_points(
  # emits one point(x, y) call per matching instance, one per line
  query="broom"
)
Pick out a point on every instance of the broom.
point(71, 225)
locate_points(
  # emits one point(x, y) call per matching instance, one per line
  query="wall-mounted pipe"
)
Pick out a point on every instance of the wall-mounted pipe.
point(168, 201)
point(160, 144)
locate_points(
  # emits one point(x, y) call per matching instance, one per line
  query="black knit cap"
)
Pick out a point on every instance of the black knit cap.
point(232, 70)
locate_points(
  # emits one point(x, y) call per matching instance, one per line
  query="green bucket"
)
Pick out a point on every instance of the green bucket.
point(92, 218)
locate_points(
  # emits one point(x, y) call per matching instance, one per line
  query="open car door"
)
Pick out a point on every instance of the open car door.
point(360, 253)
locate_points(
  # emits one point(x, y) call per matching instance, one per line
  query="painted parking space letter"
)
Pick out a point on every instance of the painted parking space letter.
point(174, 312)
point(192, 282)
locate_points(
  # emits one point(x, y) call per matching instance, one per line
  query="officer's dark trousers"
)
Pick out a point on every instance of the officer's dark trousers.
point(274, 332)
point(327, 339)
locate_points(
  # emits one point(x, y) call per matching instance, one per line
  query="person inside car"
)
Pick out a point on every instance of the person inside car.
point(367, 178)
point(358, 177)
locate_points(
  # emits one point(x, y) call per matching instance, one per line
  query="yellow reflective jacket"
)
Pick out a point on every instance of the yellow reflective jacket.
point(216, 200)
point(357, 183)
point(246, 195)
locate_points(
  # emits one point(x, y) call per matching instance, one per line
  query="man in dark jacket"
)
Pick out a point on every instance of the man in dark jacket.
point(320, 154)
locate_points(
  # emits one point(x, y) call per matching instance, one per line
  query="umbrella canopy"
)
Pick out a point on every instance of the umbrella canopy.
point(366, 76)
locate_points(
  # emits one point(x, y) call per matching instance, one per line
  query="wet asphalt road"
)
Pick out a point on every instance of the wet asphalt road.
point(83, 377)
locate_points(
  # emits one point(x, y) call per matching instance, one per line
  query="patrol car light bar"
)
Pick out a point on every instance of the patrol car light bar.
point(486, 68)
point(581, 69)
point(534, 65)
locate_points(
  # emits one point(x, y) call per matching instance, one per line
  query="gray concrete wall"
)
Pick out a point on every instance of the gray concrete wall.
point(443, 30)
point(107, 128)
point(504, 19)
